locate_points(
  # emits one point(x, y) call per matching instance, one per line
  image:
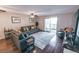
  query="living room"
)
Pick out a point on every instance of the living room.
point(19, 17)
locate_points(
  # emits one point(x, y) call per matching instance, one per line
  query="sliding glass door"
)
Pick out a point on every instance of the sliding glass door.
point(51, 24)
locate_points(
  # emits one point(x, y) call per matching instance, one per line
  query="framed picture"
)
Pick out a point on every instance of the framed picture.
point(15, 19)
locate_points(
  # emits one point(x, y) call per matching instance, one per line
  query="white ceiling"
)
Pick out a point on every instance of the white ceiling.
point(41, 9)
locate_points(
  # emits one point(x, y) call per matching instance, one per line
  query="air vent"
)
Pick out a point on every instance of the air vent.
point(2, 11)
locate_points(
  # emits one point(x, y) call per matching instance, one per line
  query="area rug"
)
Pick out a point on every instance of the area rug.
point(42, 39)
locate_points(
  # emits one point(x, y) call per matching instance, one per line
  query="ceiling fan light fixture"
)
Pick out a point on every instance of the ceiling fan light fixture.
point(32, 15)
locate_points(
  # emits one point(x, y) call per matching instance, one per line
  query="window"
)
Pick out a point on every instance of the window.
point(51, 24)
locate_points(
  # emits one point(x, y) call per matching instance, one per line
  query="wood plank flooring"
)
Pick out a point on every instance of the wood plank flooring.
point(54, 46)
point(6, 46)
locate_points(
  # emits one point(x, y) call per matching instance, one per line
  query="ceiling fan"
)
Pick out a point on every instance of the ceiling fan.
point(33, 16)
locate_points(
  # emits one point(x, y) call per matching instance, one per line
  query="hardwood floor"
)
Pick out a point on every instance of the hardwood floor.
point(6, 46)
point(54, 46)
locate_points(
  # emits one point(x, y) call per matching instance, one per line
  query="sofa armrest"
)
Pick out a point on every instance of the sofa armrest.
point(25, 43)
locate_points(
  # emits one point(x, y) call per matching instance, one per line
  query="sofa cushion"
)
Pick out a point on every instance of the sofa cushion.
point(21, 36)
point(34, 31)
point(32, 27)
point(25, 28)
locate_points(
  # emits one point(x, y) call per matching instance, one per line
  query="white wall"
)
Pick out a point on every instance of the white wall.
point(5, 21)
point(41, 22)
point(64, 20)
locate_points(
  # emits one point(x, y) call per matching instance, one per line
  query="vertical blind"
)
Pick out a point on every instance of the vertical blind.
point(50, 23)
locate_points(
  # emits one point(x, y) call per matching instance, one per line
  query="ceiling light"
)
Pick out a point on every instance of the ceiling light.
point(32, 15)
